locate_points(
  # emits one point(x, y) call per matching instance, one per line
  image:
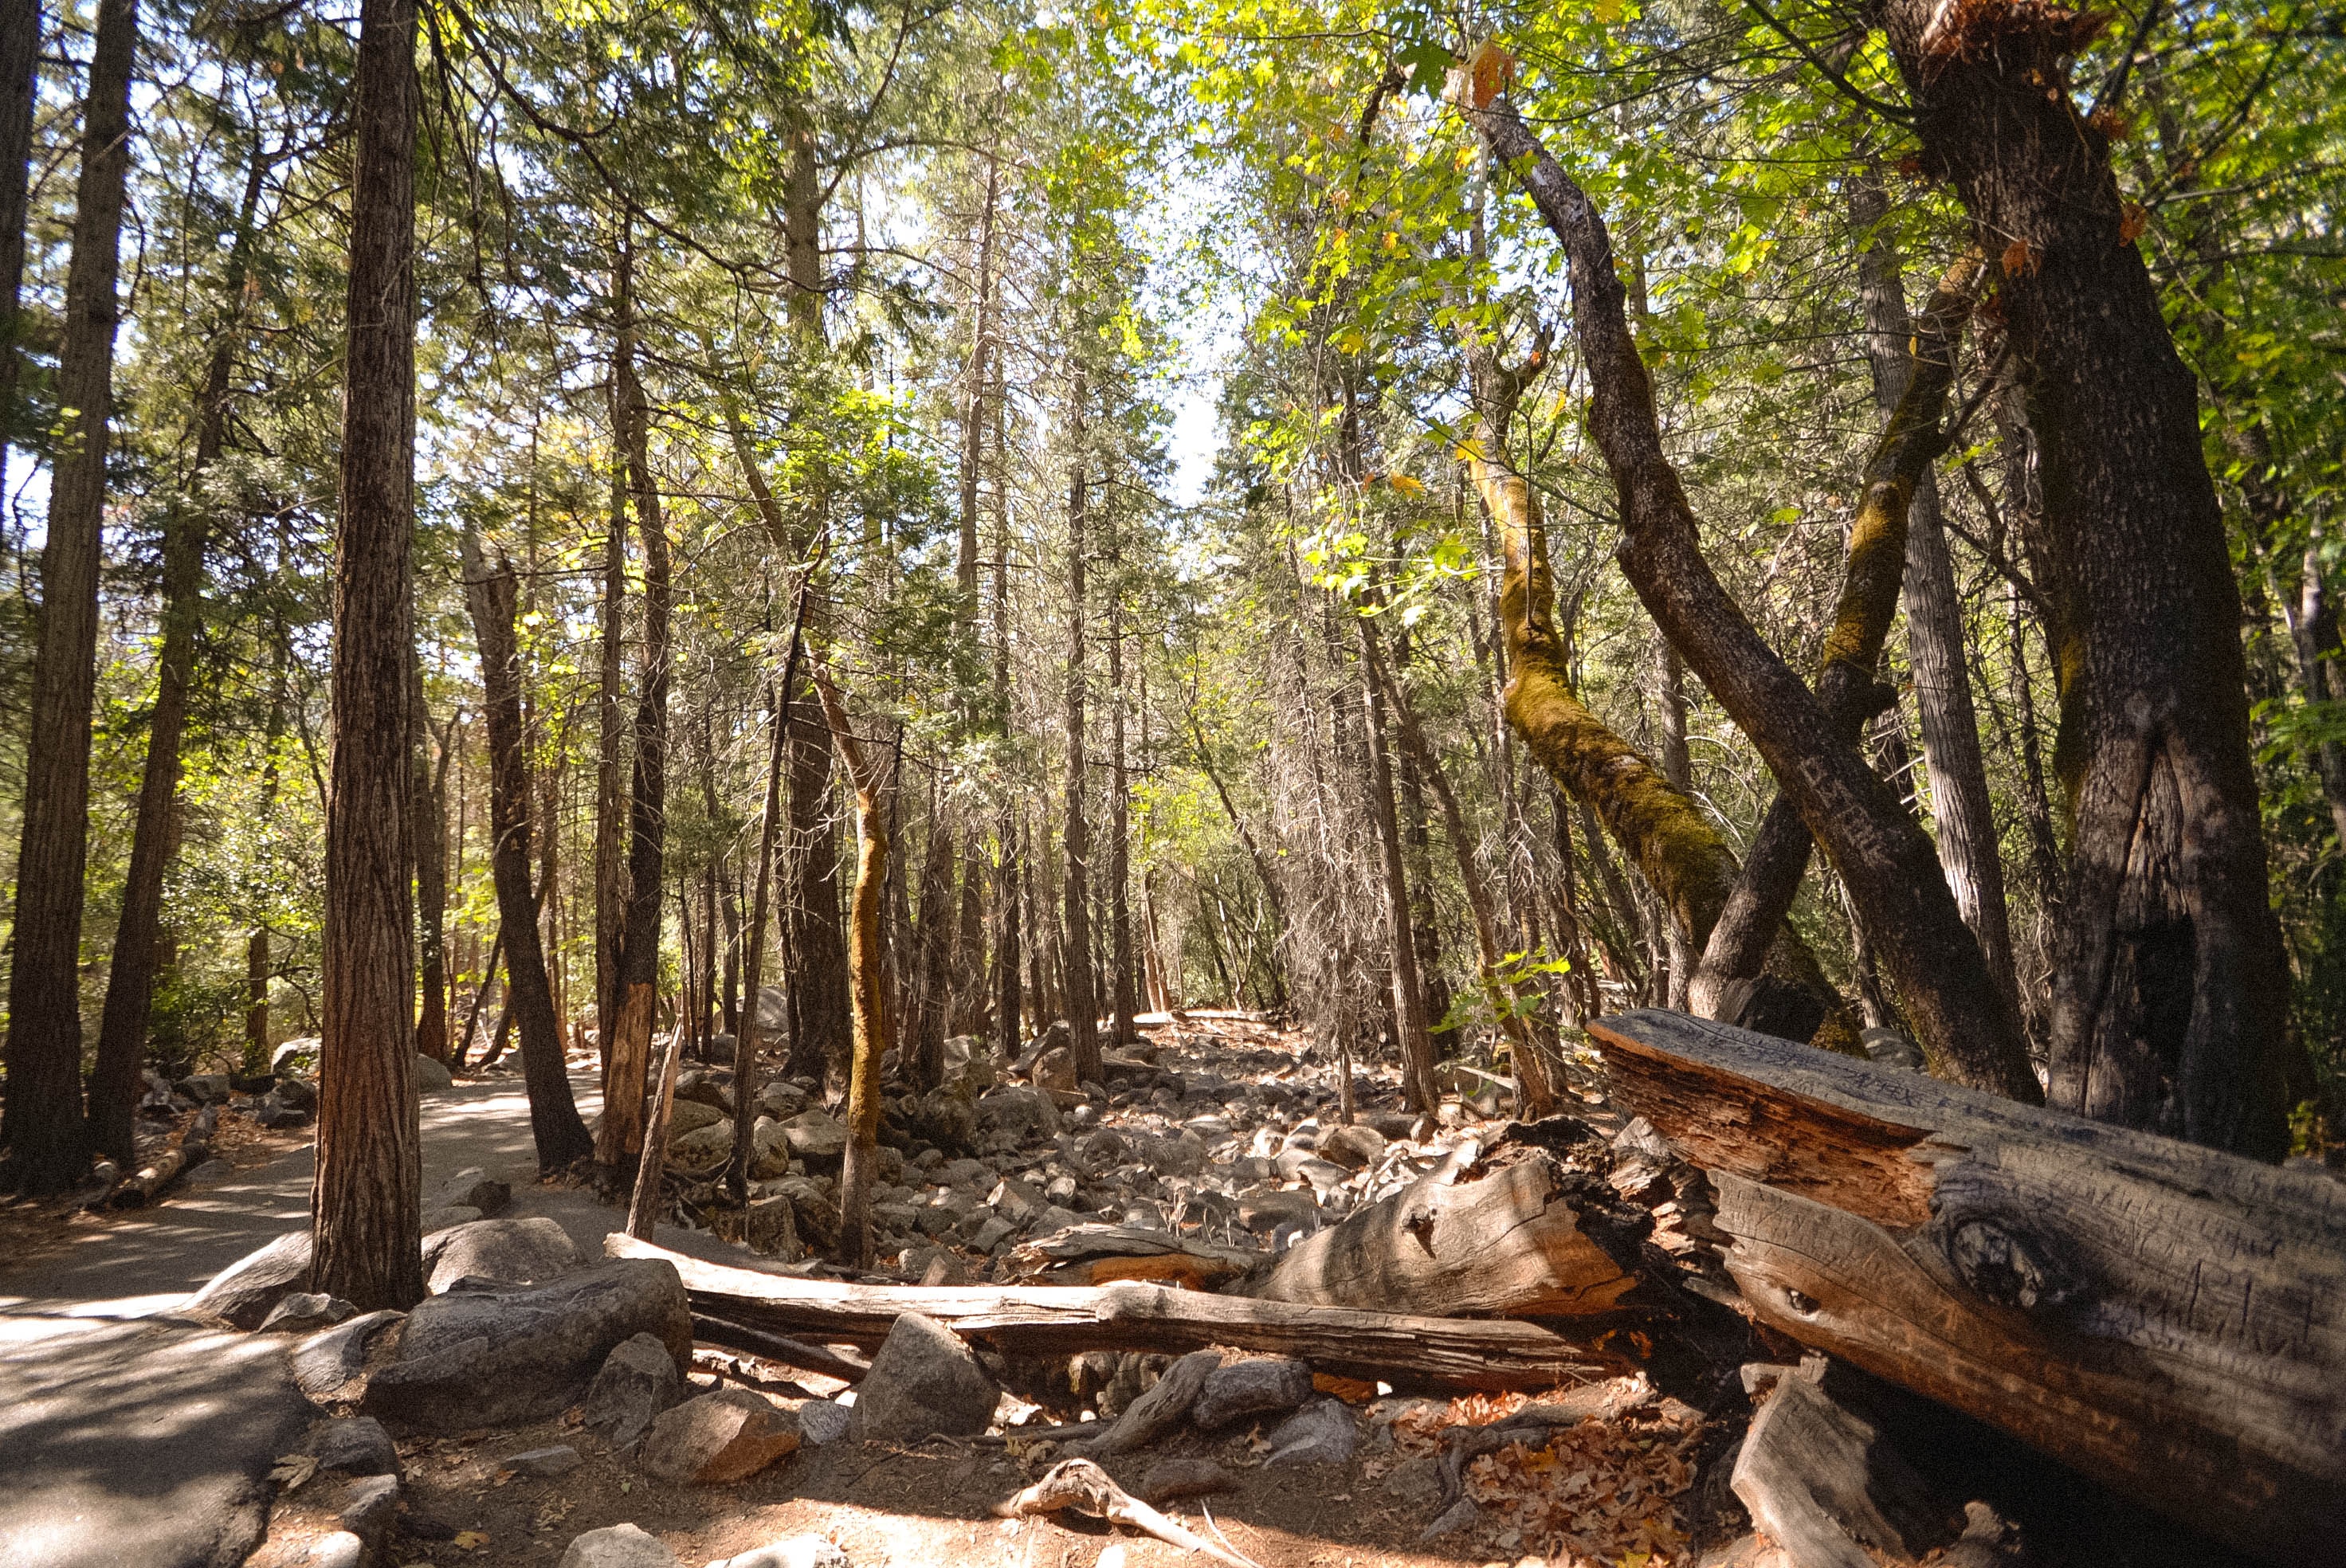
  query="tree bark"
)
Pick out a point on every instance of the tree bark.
point(746, 1042)
point(1122, 997)
point(610, 709)
point(868, 985)
point(1083, 996)
point(1676, 848)
point(428, 800)
point(366, 1245)
point(1891, 871)
point(491, 596)
point(1418, 1091)
point(635, 983)
point(20, 41)
point(1848, 688)
point(47, 1140)
point(2171, 996)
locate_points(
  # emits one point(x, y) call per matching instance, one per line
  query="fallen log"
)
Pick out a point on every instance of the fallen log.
point(157, 1176)
point(1047, 1320)
point(1823, 1482)
point(2168, 1319)
point(1508, 1245)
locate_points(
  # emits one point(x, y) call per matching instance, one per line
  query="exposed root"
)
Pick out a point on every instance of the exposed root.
point(1080, 1484)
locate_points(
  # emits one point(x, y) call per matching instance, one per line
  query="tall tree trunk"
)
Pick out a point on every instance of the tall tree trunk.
point(1960, 806)
point(20, 41)
point(46, 1139)
point(1121, 997)
point(1419, 1089)
point(932, 988)
point(131, 979)
point(428, 798)
point(1678, 765)
point(366, 1203)
point(2313, 623)
point(1847, 686)
point(2171, 996)
point(610, 709)
point(746, 1072)
point(636, 984)
point(491, 596)
point(1889, 864)
point(1083, 996)
point(869, 989)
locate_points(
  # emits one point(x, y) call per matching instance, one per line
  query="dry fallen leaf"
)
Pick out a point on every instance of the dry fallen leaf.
point(471, 1540)
point(293, 1470)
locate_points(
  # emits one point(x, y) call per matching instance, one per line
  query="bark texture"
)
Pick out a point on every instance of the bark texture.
point(366, 1245)
point(869, 988)
point(1083, 998)
point(2168, 1006)
point(20, 38)
point(491, 596)
point(1966, 1030)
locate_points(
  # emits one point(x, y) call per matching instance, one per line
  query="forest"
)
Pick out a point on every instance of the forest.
point(828, 541)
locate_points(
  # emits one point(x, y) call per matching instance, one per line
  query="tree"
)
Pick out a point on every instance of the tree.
point(44, 1136)
point(490, 595)
point(366, 1203)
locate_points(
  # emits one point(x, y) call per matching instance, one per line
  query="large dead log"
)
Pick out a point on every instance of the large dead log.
point(1045, 1319)
point(2167, 1317)
point(1507, 1245)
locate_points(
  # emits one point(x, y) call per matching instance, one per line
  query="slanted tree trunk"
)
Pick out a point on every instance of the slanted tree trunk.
point(1848, 688)
point(366, 1245)
point(491, 594)
point(1680, 853)
point(44, 1136)
point(635, 983)
point(869, 986)
point(1891, 871)
point(1959, 808)
point(2170, 998)
point(1083, 995)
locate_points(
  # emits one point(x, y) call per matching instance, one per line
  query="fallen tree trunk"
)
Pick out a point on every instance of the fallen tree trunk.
point(2167, 1318)
point(1016, 1319)
point(157, 1176)
point(1508, 1245)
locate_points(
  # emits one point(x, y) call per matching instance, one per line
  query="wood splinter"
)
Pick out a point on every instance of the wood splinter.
point(1080, 1484)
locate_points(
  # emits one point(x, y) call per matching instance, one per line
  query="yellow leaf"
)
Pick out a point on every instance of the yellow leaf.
point(471, 1540)
point(1609, 12)
point(1406, 485)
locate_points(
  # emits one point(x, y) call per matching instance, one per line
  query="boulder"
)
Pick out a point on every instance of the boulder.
point(508, 1251)
point(339, 1550)
point(637, 1380)
point(1353, 1147)
point(711, 1091)
point(781, 1098)
point(469, 1188)
point(329, 1362)
point(204, 1088)
point(815, 1134)
point(243, 1293)
point(370, 1505)
point(431, 1075)
point(1260, 1386)
point(702, 1152)
point(544, 1463)
point(727, 1436)
point(299, 1093)
point(271, 1111)
point(797, 1552)
point(822, 1421)
point(925, 1381)
point(306, 1312)
point(620, 1546)
point(770, 1226)
point(354, 1445)
point(1322, 1432)
point(297, 1058)
point(770, 1151)
point(1264, 1212)
point(492, 1358)
point(690, 1115)
point(1055, 1069)
point(436, 1221)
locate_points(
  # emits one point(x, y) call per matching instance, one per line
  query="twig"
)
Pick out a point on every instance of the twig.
point(1080, 1484)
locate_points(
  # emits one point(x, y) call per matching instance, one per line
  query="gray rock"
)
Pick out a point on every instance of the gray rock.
point(485, 1359)
point(620, 1546)
point(1322, 1432)
point(637, 1380)
point(822, 1421)
point(542, 1463)
point(1351, 1148)
point(1460, 1515)
point(436, 1221)
point(204, 1088)
point(330, 1360)
point(815, 1135)
point(431, 1075)
point(1264, 1212)
point(272, 1111)
point(242, 1293)
point(296, 1056)
point(509, 1251)
point(711, 1091)
point(727, 1436)
point(211, 1173)
point(797, 1552)
point(340, 1550)
point(305, 1312)
point(369, 1506)
point(469, 1188)
point(770, 1226)
point(923, 1380)
point(299, 1093)
point(1187, 1476)
point(1262, 1386)
point(1891, 1049)
point(1415, 1482)
point(354, 1445)
point(702, 1151)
